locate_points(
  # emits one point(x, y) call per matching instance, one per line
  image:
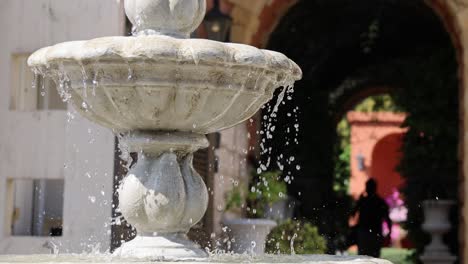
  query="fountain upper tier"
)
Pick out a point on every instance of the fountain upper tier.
point(158, 82)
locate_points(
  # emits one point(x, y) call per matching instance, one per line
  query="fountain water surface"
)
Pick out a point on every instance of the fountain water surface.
point(163, 92)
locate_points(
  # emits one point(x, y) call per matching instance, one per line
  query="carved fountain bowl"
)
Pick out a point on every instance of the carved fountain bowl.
point(163, 83)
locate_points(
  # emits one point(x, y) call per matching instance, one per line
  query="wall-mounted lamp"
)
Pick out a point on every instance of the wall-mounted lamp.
point(361, 162)
point(217, 23)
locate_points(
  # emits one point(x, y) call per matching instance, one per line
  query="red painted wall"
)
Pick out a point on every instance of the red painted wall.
point(385, 158)
point(377, 138)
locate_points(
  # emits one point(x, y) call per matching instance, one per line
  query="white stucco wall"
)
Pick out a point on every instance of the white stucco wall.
point(39, 144)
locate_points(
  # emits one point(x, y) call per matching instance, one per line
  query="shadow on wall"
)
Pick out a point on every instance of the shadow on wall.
point(386, 156)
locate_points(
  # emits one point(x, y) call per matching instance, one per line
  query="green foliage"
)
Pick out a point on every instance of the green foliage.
point(378, 103)
point(295, 237)
point(398, 255)
point(235, 199)
point(266, 189)
point(342, 170)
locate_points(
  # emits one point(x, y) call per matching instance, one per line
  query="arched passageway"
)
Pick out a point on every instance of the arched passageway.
point(344, 46)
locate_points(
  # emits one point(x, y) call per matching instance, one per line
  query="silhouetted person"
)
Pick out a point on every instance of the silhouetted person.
point(373, 211)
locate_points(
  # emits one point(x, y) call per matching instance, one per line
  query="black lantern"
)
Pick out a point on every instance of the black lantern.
point(217, 23)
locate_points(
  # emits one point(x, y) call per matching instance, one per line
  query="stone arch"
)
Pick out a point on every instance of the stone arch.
point(253, 21)
point(454, 17)
point(348, 102)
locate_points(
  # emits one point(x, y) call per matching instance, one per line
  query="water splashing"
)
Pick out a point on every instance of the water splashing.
point(35, 78)
point(291, 244)
point(130, 73)
point(270, 127)
point(85, 81)
point(63, 83)
point(95, 81)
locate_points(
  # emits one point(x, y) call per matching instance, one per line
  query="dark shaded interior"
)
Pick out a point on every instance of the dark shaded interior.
point(335, 43)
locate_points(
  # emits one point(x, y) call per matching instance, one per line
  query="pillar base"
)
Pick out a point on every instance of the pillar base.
point(437, 259)
point(163, 247)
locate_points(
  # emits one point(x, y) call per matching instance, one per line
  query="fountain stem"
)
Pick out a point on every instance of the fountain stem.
point(163, 196)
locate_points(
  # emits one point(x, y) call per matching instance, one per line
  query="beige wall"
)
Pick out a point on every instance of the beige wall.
point(43, 144)
point(232, 156)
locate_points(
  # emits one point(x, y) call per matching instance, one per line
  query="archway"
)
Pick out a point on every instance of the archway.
point(349, 46)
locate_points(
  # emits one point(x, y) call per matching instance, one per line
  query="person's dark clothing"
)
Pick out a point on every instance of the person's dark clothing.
point(373, 210)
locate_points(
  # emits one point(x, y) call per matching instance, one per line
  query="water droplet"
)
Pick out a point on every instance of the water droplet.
point(253, 244)
point(130, 73)
point(34, 81)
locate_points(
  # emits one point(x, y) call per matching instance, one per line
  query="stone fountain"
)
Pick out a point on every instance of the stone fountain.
point(163, 92)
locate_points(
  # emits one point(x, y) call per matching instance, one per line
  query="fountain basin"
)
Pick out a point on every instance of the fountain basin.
point(161, 83)
point(304, 259)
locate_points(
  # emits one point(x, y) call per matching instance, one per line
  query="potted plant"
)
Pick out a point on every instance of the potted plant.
point(295, 237)
point(438, 202)
point(249, 234)
point(436, 199)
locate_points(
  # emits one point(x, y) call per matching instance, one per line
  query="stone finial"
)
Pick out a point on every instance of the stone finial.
point(176, 18)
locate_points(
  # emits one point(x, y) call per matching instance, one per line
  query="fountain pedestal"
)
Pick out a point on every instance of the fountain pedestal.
point(163, 196)
point(170, 246)
point(226, 259)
